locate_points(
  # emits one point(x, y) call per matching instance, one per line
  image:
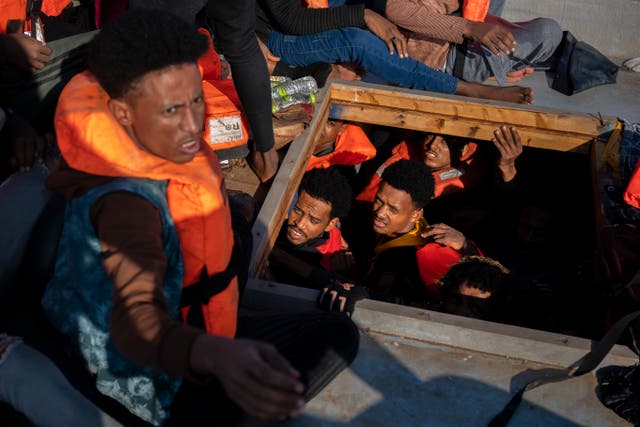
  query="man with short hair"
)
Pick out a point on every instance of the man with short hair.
point(409, 255)
point(146, 277)
point(311, 231)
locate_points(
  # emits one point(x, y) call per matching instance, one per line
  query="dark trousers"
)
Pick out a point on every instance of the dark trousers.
point(234, 26)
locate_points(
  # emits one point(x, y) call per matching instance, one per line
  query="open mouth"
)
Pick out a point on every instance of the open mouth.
point(431, 154)
point(295, 233)
point(378, 223)
point(190, 147)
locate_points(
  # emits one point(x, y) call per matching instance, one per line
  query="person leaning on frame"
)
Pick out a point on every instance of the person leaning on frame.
point(146, 280)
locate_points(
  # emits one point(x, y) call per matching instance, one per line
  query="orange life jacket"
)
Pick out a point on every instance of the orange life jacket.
point(17, 10)
point(447, 180)
point(352, 147)
point(225, 125)
point(475, 10)
point(91, 140)
point(317, 4)
point(632, 192)
point(433, 259)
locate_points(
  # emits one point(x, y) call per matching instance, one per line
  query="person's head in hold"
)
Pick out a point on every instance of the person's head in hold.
point(477, 287)
point(156, 91)
point(328, 135)
point(324, 196)
point(405, 189)
point(444, 151)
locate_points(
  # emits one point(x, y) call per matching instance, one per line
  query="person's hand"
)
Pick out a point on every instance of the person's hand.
point(446, 236)
point(343, 263)
point(494, 36)
point(387, 31)
point(28, 146)
point(269, 57)
point(254, 375)
point(508, 142)
point(341, 297)
point(264, 164)
point(26, 52)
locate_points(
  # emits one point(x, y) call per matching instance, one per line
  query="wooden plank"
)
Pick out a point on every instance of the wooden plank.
point(274, 209)
point(457, 107)
point(458, 126)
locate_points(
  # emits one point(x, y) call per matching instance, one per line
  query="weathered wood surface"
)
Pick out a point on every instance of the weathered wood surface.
point(462, 116)
point(274, 208)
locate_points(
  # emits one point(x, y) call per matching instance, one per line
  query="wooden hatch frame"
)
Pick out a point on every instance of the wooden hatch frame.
point(418, 110)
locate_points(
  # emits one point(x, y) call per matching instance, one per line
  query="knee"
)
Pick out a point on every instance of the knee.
point(549, 31)
point(357, 38)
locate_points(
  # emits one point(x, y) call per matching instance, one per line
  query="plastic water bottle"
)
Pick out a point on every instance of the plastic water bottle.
point(276, 80)
point(304, 85)
point(280, 103)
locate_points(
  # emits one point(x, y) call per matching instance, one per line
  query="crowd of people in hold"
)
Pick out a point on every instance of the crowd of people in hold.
point(124, 256)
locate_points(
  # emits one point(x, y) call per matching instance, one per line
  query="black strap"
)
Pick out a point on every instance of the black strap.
point(461, 54)
point(586, 364)
point(33, 7)
point(200, 293)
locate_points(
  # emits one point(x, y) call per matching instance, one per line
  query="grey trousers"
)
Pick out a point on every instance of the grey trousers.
point(33, 385)
point(536, 40)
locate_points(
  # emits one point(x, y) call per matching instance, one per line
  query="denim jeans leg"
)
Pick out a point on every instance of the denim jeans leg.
point(364, 48)
point(33, 385)
point(23, 197)
point(496, 7)
point(536, 41)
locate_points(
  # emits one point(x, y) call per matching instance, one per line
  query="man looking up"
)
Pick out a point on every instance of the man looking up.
point(145, 283)
point(408, 255)
point(455, 162)
point(310, 233)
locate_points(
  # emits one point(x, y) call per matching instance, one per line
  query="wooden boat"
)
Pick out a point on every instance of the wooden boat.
point(417, 367)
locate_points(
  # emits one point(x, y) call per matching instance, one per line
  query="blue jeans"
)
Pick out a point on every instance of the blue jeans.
point(364, 48)
point(23, 197)
point(33, 385)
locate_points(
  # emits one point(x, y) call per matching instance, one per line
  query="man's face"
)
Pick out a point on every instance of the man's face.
point(164, 112)
point(309, 219)
point(393, 211)
point(435, 152)
point(328, 135)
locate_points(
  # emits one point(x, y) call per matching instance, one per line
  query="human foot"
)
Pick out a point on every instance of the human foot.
point(517, 94)
point(517, 75)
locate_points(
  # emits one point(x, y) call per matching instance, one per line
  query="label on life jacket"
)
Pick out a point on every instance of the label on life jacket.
point(225, 129)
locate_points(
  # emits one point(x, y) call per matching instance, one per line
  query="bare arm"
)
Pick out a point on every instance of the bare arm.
point(508, 142)
point(434, 21)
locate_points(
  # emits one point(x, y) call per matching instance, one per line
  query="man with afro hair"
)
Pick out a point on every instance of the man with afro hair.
point(146, 279)
point(408, 255)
